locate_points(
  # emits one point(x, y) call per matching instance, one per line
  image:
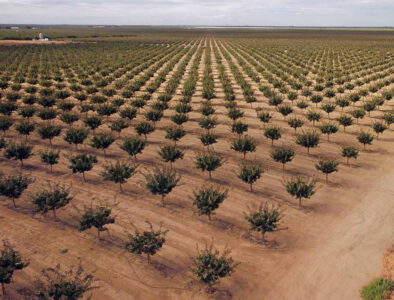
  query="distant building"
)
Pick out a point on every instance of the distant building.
point(40, 36)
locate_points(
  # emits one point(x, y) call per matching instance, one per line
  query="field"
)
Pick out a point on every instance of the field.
point(262, 88)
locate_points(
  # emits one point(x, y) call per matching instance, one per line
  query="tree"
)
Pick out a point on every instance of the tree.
point(76, 136)
point(284, 110)
point(264, 116)
point(210, 265)
point(273, 133)
point(133, 146)
point(24, 128)
point(10, 261)
point(328, 107)
point(327, 167)
point(283, 155)
point(239, 128)
point(369, 106)
point(365, 138)
point(389, 118)
point(328, 128)
point(316, 99)
point(175, 133)
point(154, 115)
point(52, 198)
point(5, 124)
point(118, 172)
point(12, 186)
point(313, 116)
point(208, 161)
point(249, 172)
point(234, 113)
point(118, 126)
point(50, 157)
point(48, 132)
point(18, 151)
point(98, 217)
point(379, 127)
point(208, 198)
point(343, 102)
point(345, 121)
point(128, 113)
point(93, 122)
point(264, 218)
point(300, 188)
point(161, 181)
point(102, 141)
point(244, 145)
point(358, 114)
point(207, 123)
point(144, 128)
point(106, 110)
point(295, 123)
point(308, 139)
point(302, 104)
point(82, 163)
point(170, 154)
point(147, 242)
point(68, 118)
point(179, 118)
point(208, 139)
point(73, 283)
point(349, 152)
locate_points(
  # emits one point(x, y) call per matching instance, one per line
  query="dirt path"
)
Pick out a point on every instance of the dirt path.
point(348, 254)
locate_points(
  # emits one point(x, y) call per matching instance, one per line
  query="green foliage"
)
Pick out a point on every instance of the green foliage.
point(328, 128)
point(76, 136)
point(118, 172)
point(208, 123)
point(147, 242)
point(345, 121)
point(327, 167)
point(24, 127)
point(244, 144)
point(52, 198)
point(283, 155)
point(378, 289)
point(18, 151)
point(133, 146)
point(12, 186)
point(313, 116)
point(379, 127)
point(365, 138)
point(175, 133)
point(328, 107)
point(208, 198)
point(98, 217)
point(93, 122)
point(295, 123)
point(358, 114)
point(10, 261)
point(50, 157)
point(170, 153)
point(308, 139)
point(49, 131)
point(161, 181)
point(128, 113)
point(300, 188)
point(349, 152)
point(208, 139)
point(285, 110)
point(82, 163)
point(144, 128)
point(5, 123)
point(179, 118)
point(264, 116)
point(102, 141)
point(154, 115)
point(239, 127)
point(118, 125)
point(273, 133)
point(208, 161)
point(250, 172)
point(264, 218)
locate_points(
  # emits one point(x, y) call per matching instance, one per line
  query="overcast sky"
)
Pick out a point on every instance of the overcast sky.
point(200, 12)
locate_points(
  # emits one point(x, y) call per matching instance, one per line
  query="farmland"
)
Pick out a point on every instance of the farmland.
point(203, 107)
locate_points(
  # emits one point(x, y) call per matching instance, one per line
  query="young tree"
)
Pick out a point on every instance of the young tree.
point(264, 218)
point(12, 186)
point(328, 107)
point(208, 161)
point(273, 133)
point(345, 121)
point(24, 128)
point(389, 118)
point(69, 118)
point(118, 126)
point(153, 116)
point(210, 265)
point(70, 284)
point(82, 163)
point(300, 188)
point(133, 146)
point(76, 136)
point(98, 217)
point(175, 133)
point(52, 198)
point(250, 172)
point(208, 123)
point(208, 139)
point(10, 261)
point(239, 128)
point(128, 113)
point(308, 139)
point(50, 157)
point(244, 145)
point(349, 152)
point(208, 198)
point(284, 110)
point(283, 155)
point(313, 116)
point(365, 138)
point(144, 128)
point(49, 132)
point(379, 127)
point(328, 128)
point(234, 113)
point(179, 119)
point(316, 99)
point(18, 151)
point(161, 181)
point(369, 106)
point(118, 172)
point(327, 167)
point(5, 124)
point(93, 122)
point(147, 242)
point(170, 154)
point(102, 141)
point(264, 116)
point(358, 114)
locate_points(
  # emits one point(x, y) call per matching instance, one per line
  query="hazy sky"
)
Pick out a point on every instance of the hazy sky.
point(200, 12)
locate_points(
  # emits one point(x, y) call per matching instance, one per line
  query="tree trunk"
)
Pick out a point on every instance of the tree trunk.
point(210, 175)
point(209, 217)
point(283, 168)
point(21, 163)
point(120, 187)
point(13, 201)
point(308, 150)
point(83, 176)
point(54, 213)
point(326, 177)
point(162, 200)
point(272, 142)
point(148, 257)
point(299, 202)
point(328, 137)
point(98, 234)
point(251, 187)
point(263, 236)
point(3, 288)
point(347, 161)
point(50, 166)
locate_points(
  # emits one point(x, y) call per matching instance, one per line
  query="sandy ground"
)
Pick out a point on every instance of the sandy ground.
point(331, 248)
